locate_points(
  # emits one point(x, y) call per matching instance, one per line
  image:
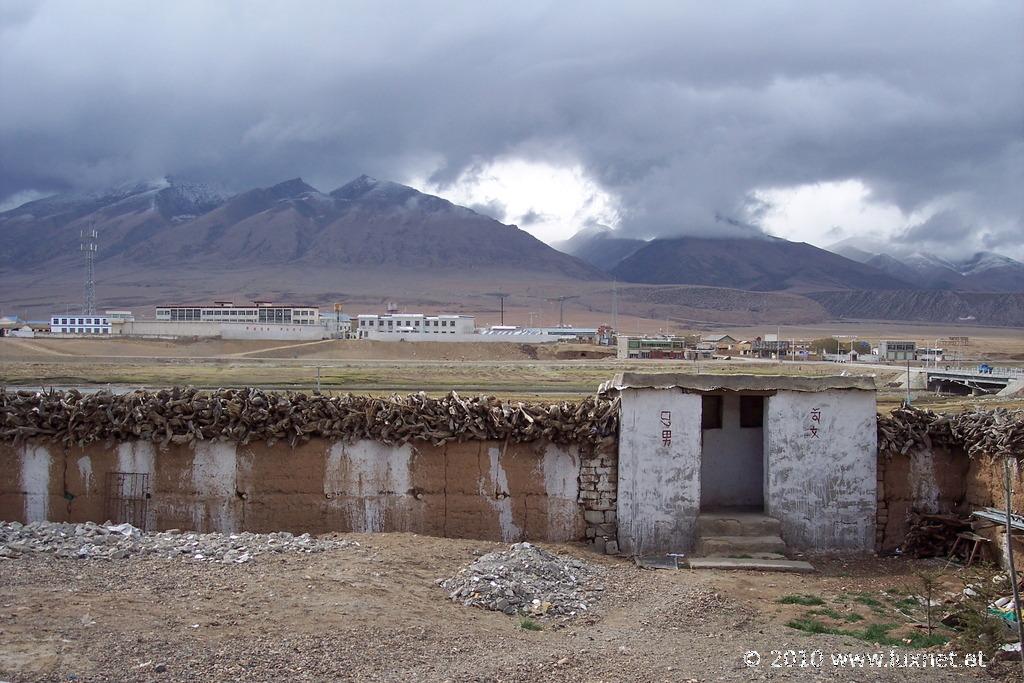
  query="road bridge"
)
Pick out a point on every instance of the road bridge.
point(966, 380)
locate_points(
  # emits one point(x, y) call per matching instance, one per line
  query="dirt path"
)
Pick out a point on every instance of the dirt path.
point(283, 347)
point(376, 613)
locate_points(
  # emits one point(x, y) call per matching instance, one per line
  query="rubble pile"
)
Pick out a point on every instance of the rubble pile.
point(119, 541)
point(526, 580)
point(247, 414)
point(998, 432)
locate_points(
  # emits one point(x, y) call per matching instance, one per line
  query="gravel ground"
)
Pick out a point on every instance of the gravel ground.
point(375, 611)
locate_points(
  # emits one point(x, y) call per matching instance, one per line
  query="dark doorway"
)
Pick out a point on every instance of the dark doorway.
point(732, 452)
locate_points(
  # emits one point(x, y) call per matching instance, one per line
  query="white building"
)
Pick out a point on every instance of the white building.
point(396, 326)
point(794, 455)
point(79, 324)
point(930, 355)
point(893, 349)
point(337, 324)
point(227, 312)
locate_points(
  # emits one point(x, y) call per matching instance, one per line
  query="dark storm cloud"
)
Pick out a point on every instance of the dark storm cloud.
point(493, 208)
point(532, 216)
point(680, 110)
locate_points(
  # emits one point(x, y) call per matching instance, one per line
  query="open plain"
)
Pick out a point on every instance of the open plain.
point(508, 370)
point(375, 612)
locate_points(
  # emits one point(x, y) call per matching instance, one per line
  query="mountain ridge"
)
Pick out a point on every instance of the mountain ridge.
point(363, 222)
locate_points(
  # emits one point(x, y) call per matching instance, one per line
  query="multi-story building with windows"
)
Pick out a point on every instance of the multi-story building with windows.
point(228, 312)
point(79, 324)
point(889, 349)
point(371, 326)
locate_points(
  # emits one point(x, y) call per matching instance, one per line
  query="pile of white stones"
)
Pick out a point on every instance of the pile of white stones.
point(526, 580)
point(119, 541)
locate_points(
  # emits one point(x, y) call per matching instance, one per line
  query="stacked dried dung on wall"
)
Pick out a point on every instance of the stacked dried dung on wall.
point(247, 415)
point(997, 432)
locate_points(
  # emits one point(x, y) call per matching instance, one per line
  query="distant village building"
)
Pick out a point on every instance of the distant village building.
point(79, 324)
point(930, 355)
point(769, 347)
point(894, 350)
point(721, 343)
point(542, 335)
point(665, 348)
point(228, 312)
point(227, 320)
point(394, 326)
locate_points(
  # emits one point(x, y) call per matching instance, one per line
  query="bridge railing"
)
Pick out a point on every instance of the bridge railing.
point(1002, 373)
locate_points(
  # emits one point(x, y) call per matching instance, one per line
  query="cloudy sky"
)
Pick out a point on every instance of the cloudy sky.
point(897, 122)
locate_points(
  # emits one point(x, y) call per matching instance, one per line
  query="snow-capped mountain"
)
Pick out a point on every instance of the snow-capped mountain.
point(984, 271)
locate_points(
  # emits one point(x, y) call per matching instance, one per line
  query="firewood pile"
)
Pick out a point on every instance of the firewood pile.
point(933, 535)
point(247, 415)
point(997, 432)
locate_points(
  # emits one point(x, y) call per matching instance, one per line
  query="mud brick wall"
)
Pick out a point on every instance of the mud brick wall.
point(941, 479)
point(490, 490)
point(598, 483)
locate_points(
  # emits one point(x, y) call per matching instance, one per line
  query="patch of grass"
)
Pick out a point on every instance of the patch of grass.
point(867, 600)
point(849, 617)
point(528, 624)
point(908, 603)
point(920, 639)
point(877, 633)
point(872, 633)
point(812, 626)
point(806, 600)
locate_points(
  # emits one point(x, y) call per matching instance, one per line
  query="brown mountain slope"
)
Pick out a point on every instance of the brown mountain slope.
point(976, 308)
point(367, 223)
point(757, 264)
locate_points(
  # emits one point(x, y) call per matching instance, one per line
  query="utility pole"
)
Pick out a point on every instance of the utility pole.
point(908, 380)
point(1008, 483)
point(615, 306)
point(501, 299)
point(561, 307)
point(532, 314)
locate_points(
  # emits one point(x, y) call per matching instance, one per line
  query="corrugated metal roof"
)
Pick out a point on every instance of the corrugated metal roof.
point(702, 383)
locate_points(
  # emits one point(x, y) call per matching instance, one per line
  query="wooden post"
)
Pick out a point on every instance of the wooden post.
point(1009, 558)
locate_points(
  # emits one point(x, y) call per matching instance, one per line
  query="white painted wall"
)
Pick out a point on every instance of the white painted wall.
point(822, 489)
point(35, 482)
point(561, 465)
point(195, 328)
point(214, 480)
point(659, 485)
point(371, 481)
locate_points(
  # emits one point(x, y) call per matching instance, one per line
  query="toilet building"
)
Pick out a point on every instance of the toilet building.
point(802, 450)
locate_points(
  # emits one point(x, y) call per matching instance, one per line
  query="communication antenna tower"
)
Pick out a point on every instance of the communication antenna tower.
point(89, 246)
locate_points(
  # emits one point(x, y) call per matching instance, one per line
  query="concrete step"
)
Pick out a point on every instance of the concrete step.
point(737, 524)
point(731, 546)
point(750, 564)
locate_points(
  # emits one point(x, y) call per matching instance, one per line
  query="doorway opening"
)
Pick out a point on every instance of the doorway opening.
point(732, 452)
